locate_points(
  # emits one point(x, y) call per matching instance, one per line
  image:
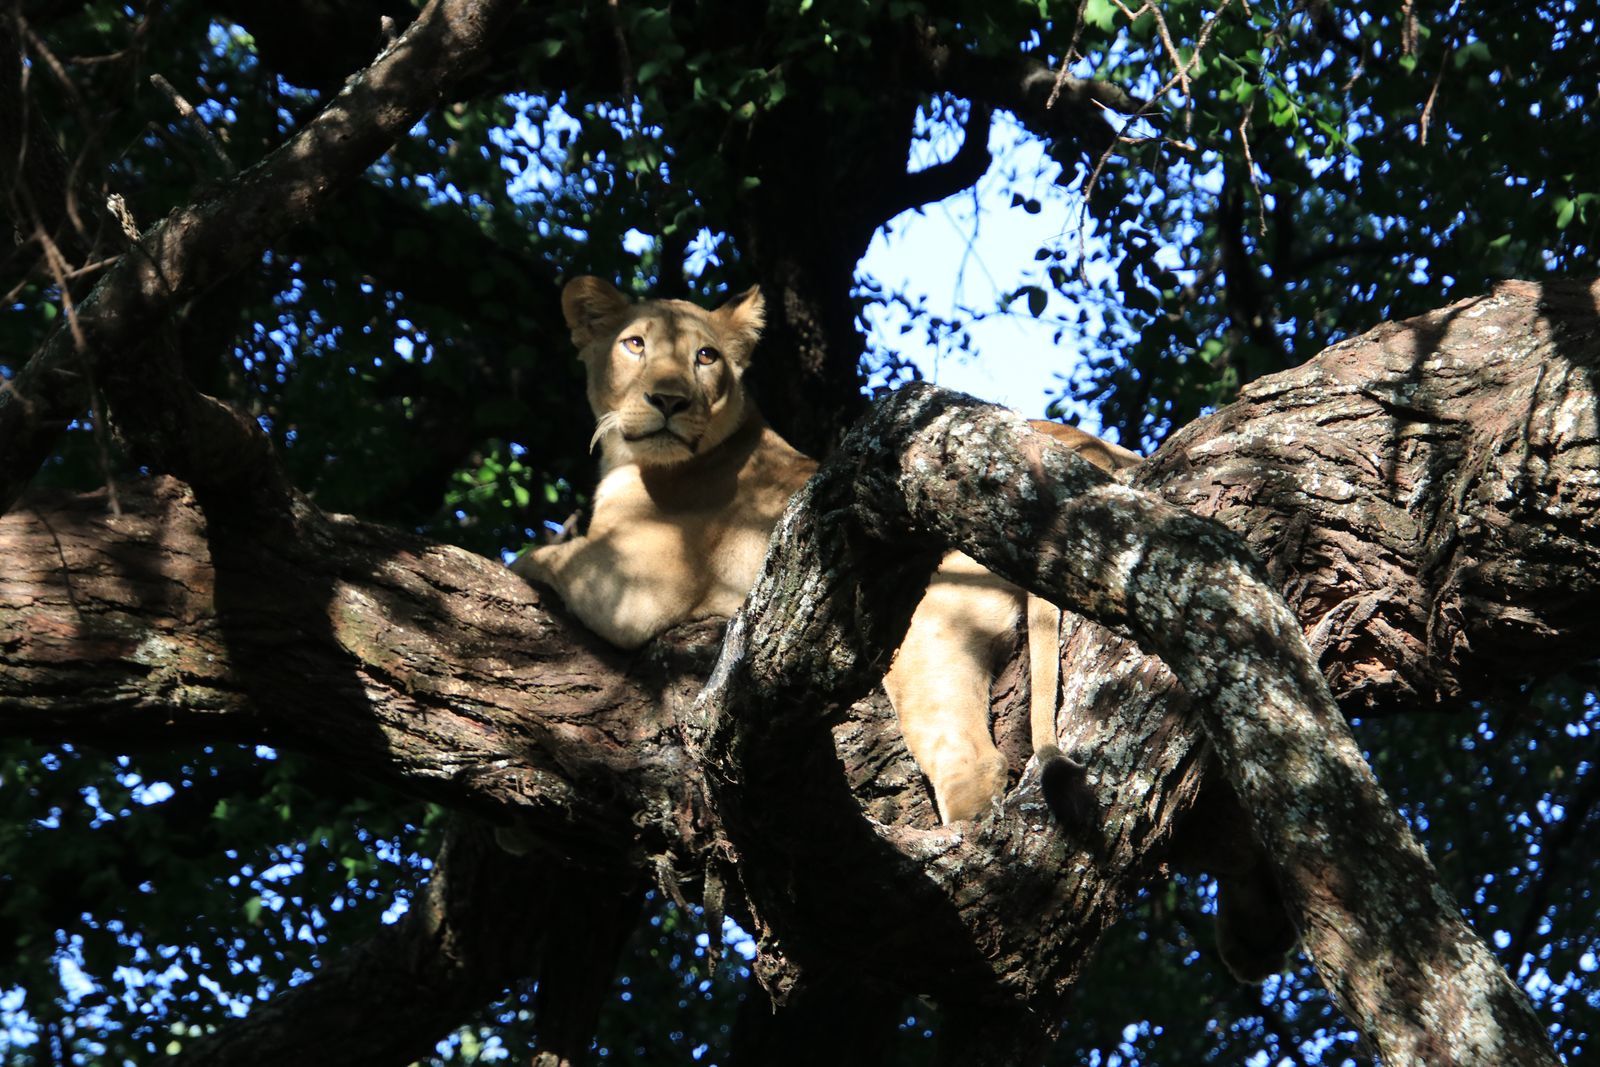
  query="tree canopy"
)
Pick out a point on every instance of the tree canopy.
point(352, 237)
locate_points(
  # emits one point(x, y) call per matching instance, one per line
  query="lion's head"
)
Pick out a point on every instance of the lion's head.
point(665, 376)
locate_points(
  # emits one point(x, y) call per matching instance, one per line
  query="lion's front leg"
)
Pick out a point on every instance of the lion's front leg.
point(543, 564)
point(625, 596)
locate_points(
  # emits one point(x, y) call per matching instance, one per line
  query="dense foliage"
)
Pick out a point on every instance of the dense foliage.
point(1261, 181)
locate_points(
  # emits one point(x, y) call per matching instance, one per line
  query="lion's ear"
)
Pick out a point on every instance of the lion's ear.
point(588, 304)
point(743, 316)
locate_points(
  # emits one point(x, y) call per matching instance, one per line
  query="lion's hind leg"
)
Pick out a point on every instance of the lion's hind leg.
point(939, 684)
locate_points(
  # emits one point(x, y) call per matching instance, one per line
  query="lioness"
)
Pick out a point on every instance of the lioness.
point(692, 481)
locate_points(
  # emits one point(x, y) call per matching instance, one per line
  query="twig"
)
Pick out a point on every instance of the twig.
point(1066, 57)
point(1355, 75)
point(1180, 78)
point(36, 45)
point(41, 50)
point(1433, 94)
point(71, 275)
point(97, 406)
point(186, 109)
point(1250, 166)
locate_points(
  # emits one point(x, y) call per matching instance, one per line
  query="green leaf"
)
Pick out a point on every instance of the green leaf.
point(1566, 208)
point(1469, 52)
point(1101, 14)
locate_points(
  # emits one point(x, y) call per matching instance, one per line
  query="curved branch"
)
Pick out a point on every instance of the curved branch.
point(1425, 494)
point(928, 472)
point(932, 184)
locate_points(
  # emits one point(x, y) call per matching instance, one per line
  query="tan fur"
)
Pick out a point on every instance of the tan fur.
point(1044, 618)
point(692, 483)
point(686, 501)
point(939, 679)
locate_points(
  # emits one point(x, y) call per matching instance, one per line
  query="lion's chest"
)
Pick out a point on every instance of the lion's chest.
point(698, 554)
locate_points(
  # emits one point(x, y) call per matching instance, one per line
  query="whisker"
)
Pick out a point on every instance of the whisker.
point(607, 423)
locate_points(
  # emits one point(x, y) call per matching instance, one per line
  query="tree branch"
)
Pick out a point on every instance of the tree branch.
point(485, 920)
point(832, 604)
point(202, 243)
point(1449, 461)
point(932, 184)
point(1076, 122)
point(1424, 494)
point(167, 626)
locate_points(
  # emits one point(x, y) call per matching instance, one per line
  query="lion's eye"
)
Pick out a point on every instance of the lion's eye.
point(707, 356)
point(633, 344)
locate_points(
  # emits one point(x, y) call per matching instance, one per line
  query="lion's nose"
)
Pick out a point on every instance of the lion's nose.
point(669, 404)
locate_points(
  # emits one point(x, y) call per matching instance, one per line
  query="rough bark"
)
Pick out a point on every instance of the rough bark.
point(437, 670)
point(1425, 495)
point(393, 657)
point(832, 605)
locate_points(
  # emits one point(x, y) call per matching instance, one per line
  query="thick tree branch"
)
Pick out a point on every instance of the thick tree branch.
point(416, 663)
point(1426, 494)
point(202, 243)
point(818, 628)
